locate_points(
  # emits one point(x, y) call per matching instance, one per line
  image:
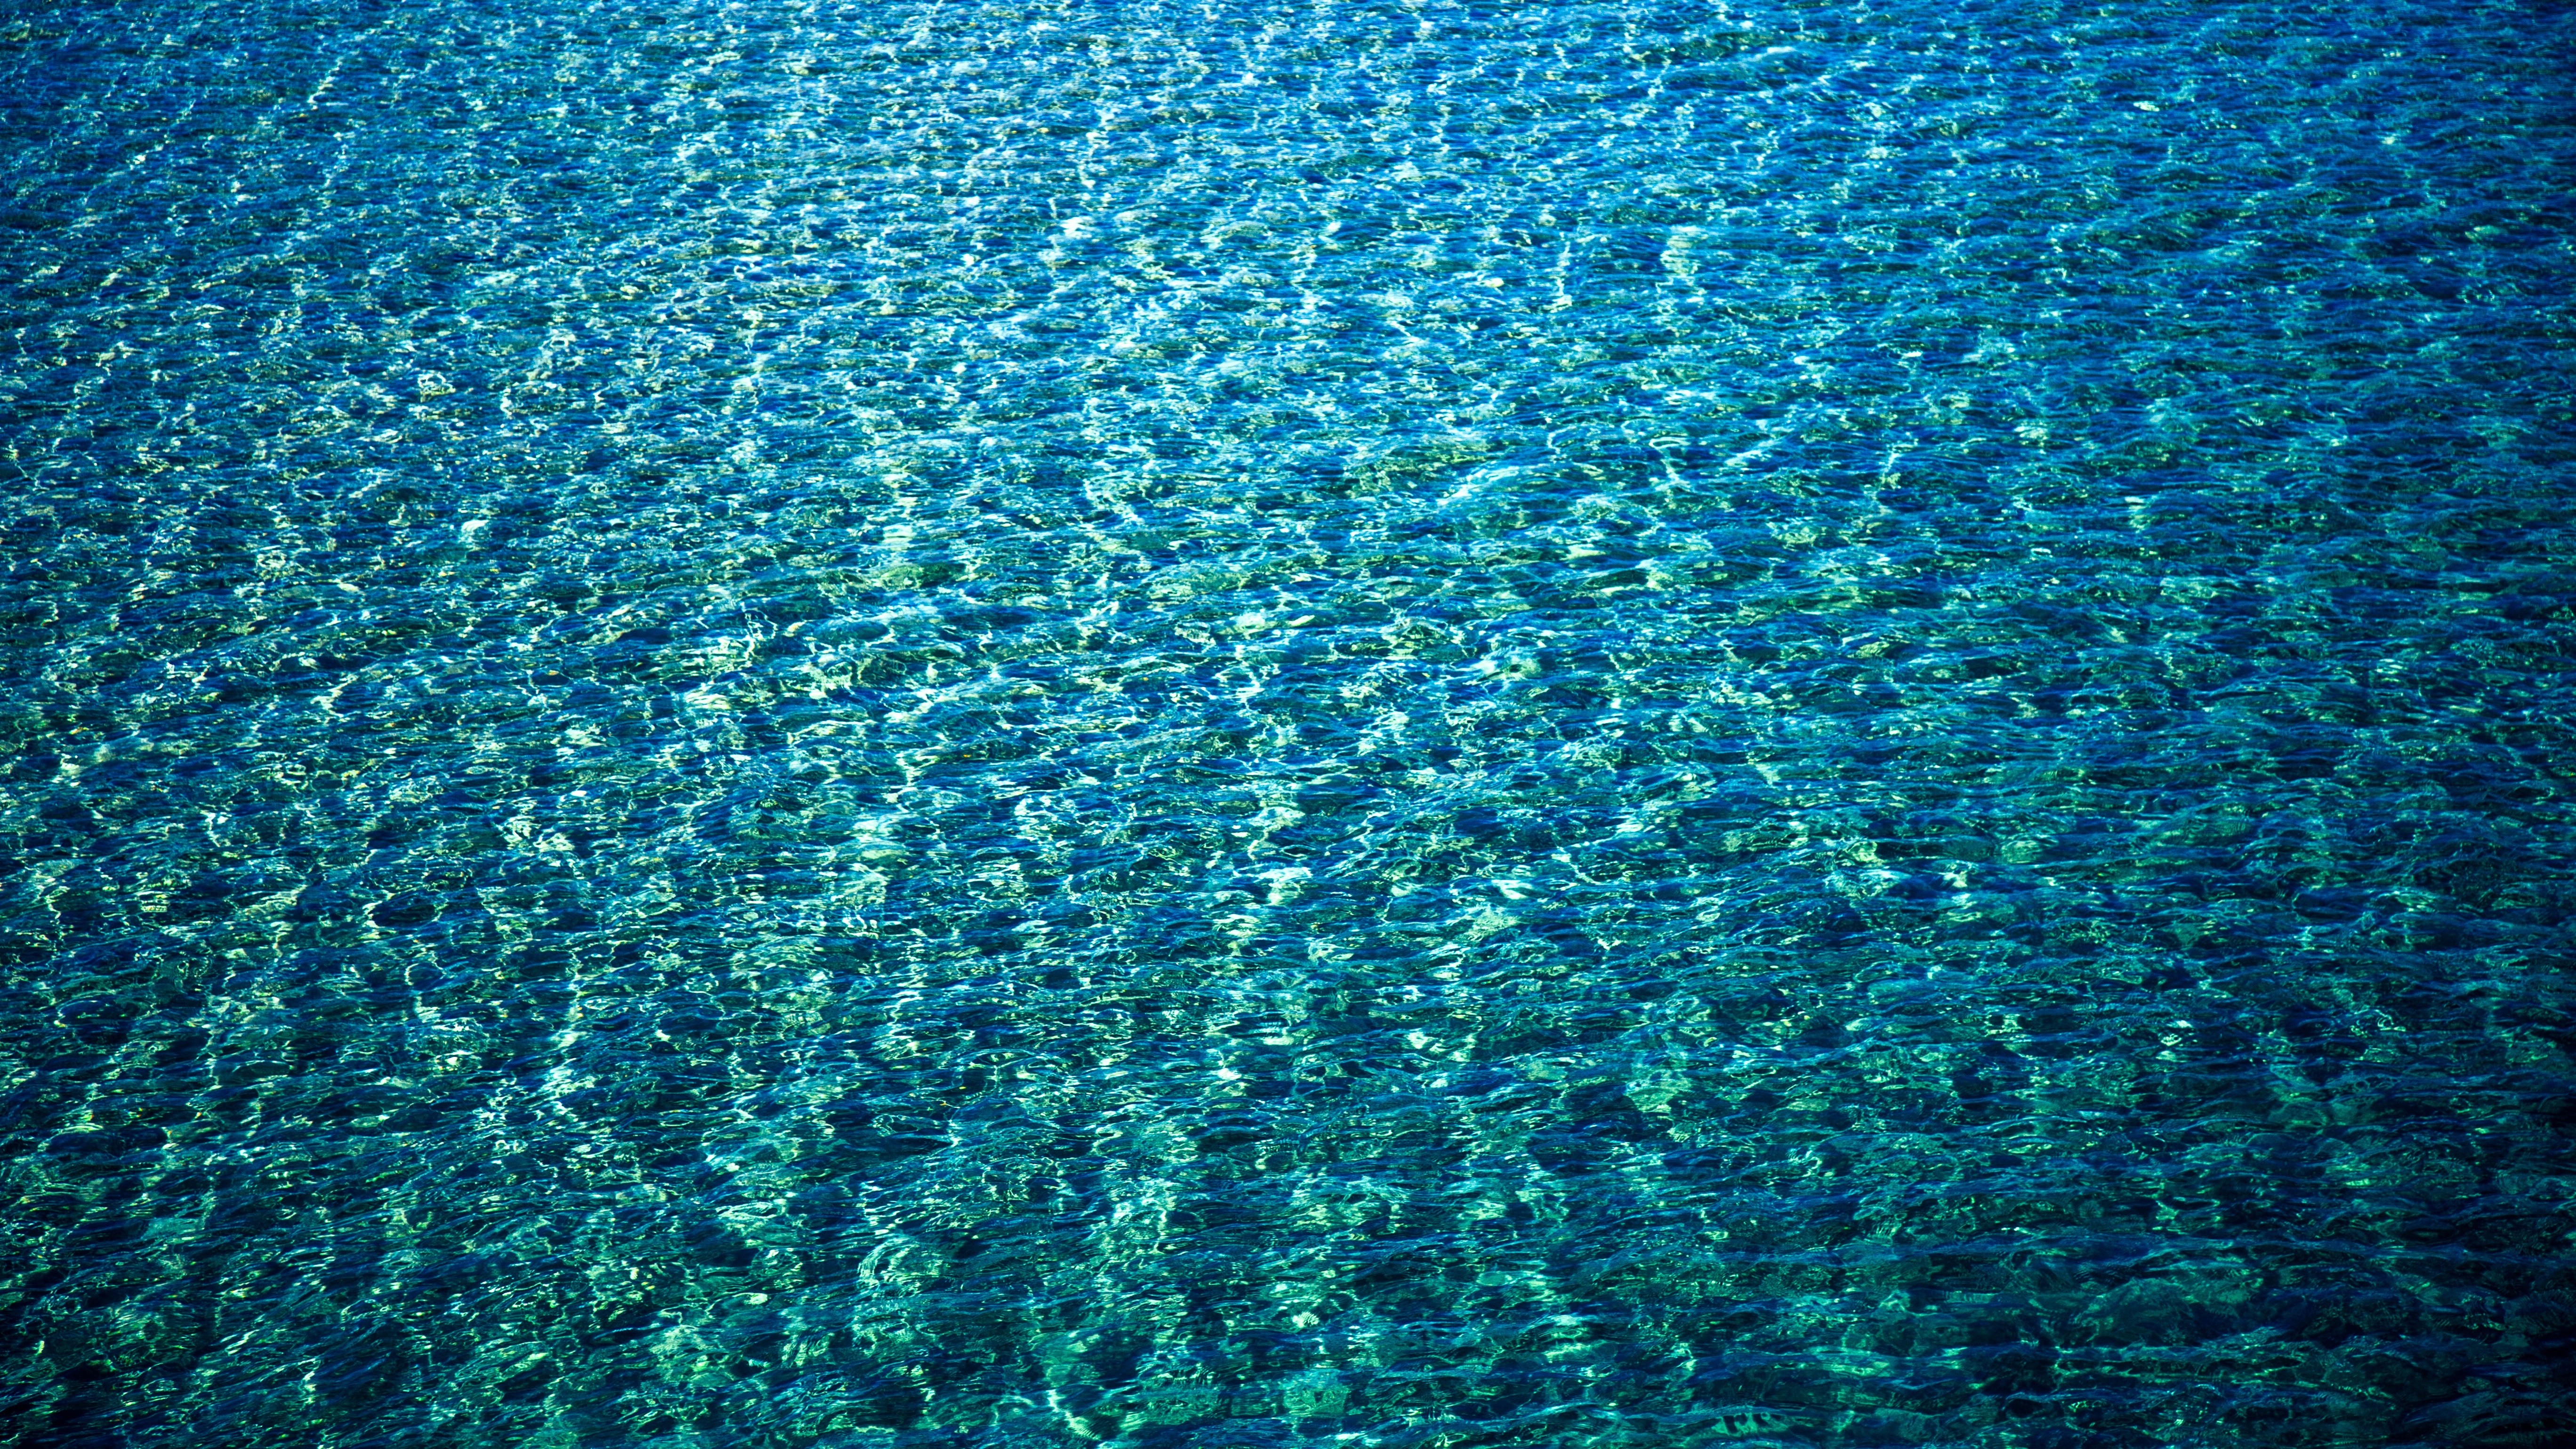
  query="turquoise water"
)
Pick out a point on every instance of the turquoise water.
point(1201, 726)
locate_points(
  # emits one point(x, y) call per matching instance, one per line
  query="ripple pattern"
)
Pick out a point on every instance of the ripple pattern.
point(1189, 726)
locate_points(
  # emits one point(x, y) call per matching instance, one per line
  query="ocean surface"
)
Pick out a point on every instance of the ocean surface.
point(976, 725)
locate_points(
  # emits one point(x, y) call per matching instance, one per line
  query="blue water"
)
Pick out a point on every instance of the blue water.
point(1397, 725)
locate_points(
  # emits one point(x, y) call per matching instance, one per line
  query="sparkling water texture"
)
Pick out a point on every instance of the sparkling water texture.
point(982, 725)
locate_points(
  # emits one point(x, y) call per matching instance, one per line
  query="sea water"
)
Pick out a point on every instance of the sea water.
point(1189, 726)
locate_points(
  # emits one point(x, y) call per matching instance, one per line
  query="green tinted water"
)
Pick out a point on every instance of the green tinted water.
point(1380, 725)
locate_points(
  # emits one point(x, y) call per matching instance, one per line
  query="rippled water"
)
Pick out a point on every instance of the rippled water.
point(974, 724)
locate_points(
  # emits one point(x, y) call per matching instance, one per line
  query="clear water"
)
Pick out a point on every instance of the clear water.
point(1396, 725)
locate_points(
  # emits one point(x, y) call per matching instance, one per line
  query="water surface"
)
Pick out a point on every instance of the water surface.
point(1203, 726)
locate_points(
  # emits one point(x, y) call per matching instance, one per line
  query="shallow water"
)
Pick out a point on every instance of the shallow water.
point(1382, 725)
